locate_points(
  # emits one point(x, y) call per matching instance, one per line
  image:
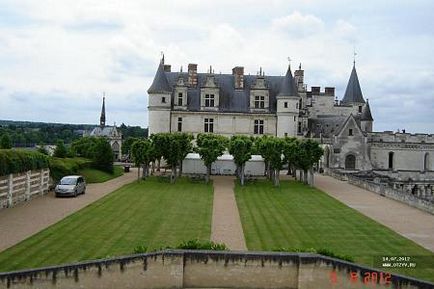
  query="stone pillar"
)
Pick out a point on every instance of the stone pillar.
point(10, 190)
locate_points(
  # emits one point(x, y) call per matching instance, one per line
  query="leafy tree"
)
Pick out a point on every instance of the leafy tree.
point(158, 141)
point(290, 151)
point(186, 147)
point(60, 151)
point(141, 153)
point(262, 148)
point(84, 147)
point(241, 147)
point(308, 155)
point(5, 141)
point(103, 155)
point(275, 147)
point(126, 145)
point(210, 147)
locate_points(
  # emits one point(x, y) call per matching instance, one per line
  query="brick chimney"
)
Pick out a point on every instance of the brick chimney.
point(238, 73)
point(316, 90)
point(192, 75)
point(330, 91)
point(167, 68)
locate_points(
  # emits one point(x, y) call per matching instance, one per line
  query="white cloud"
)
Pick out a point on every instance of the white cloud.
point(299, 25)
point(74, 50)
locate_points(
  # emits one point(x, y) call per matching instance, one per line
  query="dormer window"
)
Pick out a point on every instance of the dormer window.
point(180, 99)
point(259, 101)
point(209, 100)
point(350, 132)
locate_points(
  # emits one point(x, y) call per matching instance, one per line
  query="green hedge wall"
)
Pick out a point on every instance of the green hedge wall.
point(60, 167)
point(14, 161)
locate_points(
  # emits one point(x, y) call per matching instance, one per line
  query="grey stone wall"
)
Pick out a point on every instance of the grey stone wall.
point(206, 269)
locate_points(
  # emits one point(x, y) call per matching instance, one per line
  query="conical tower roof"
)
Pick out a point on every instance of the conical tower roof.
point(288, 87)
point(353, 93)
point(366, 113)
point(160, 83)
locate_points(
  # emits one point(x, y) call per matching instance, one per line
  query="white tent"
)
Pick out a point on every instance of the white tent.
point(224, 165)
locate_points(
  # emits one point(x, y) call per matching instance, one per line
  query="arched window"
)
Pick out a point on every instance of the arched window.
point(426, 163)
point(350, 162)
point(391, 160)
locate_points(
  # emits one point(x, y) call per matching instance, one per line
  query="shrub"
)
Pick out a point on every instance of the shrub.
point(187, 245)
point(60, 167)
point(60, 151)
point(202, 245)
point(17, 161)
point(5, 142)
point(325, 252)
point(140, 249)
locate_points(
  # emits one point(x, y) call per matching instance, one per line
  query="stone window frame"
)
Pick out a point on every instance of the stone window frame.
point(259, 101)
point(180, 99)
point(179, 124)
point(209, 100)
point(208, 125)
point(258, 126)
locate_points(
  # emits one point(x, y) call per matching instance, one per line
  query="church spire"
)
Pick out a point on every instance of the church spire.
point(102, 118)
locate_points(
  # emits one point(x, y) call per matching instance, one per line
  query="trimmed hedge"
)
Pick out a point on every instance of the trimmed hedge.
point(14, 161)
point(60, 167)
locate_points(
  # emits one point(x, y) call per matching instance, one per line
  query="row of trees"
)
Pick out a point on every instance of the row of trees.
point(29, 134)
point(173, 148)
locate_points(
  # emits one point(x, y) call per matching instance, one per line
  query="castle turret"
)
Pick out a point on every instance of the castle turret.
point(366, 120)
point(287, 106)
point(160, 101)
point(353, 93)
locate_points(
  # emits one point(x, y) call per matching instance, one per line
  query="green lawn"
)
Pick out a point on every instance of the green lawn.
point(96, 176)
point(298, 216)
point(148, 213)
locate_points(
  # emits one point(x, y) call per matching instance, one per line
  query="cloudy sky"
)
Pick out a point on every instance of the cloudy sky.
point(58, 56)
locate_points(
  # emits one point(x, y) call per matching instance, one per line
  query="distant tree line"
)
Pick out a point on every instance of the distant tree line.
point(301, 155)
point(29, 134)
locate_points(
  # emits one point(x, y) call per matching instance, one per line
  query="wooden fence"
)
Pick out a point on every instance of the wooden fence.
point(17, 188)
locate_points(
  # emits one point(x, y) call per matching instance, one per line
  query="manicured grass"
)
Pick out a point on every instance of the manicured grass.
point(96, 176)
point(151, 213)
point(298, 216)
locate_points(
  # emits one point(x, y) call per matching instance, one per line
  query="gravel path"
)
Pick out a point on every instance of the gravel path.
point(226, 224)
point(410, 222)
point(26, 219)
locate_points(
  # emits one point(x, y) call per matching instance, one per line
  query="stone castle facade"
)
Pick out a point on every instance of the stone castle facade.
point(261, 104)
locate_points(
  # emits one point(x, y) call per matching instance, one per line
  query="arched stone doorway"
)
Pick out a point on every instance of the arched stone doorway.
point(350, 162)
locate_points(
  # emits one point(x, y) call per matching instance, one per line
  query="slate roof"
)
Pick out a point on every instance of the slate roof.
point(366, 113)
point(353, 92)
point(160, 83)
point(288, 87)
point(231, 99)
point(327, 125)
point(107, 131)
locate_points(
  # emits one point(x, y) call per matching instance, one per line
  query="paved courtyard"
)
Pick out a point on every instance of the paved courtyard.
point(226, 223)
point(26, 219)
point(410, 222)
